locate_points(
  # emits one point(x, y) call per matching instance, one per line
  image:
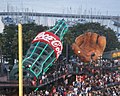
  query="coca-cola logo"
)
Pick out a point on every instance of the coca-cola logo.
point(58, 46)
point(51, 39)
point(47, 37)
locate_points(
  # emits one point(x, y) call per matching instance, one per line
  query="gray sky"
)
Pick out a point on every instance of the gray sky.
point(63, 6)
point(104, 7)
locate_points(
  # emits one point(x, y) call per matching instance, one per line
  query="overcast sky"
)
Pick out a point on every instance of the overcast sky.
point(104, 7)
point(64, 6)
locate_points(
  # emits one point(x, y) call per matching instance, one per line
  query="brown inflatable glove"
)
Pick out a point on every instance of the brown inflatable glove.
point(89, 44)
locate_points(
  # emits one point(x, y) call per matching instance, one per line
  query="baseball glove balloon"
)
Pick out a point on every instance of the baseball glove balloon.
point(89, 46)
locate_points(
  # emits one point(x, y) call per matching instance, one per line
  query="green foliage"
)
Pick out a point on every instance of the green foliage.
point(10, 39)
point(111, 38)
point(7, 36)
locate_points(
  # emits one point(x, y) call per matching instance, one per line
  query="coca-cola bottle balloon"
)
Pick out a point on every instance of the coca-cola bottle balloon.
point(44, 50)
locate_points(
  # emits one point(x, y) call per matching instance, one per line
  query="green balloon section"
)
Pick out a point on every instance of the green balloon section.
point(40, 56)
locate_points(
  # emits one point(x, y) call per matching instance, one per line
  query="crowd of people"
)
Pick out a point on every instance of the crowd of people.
point(100, 78)
point(112, 91)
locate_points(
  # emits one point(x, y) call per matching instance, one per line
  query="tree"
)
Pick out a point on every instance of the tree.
point(111, 38)
point(10, 39)
point(1, 43)
point(8, 35)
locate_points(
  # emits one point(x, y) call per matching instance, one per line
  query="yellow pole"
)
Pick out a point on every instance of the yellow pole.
point(20, 60)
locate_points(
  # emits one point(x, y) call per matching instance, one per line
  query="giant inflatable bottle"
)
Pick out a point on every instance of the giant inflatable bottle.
point(44, 50)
